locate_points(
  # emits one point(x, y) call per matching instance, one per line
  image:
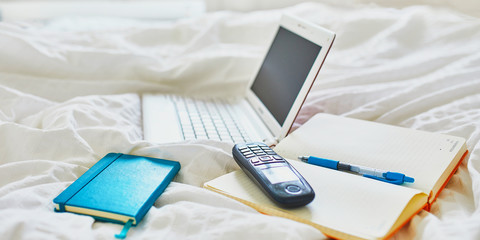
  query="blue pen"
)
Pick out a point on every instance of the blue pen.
point(385, 176)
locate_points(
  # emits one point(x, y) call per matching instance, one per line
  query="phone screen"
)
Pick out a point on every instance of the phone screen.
point(279, 175)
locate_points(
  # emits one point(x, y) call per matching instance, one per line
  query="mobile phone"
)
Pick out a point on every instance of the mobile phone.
point(273, 174)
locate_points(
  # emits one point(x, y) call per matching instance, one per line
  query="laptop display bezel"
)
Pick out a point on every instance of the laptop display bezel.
point(313, 33)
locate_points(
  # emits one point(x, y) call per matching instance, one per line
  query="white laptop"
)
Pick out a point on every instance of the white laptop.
point(268, 109)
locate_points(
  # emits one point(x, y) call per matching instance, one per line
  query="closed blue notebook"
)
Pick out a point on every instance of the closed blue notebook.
point(118, 188)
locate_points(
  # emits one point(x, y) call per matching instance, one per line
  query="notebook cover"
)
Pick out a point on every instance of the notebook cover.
point(120, 184)
point(429, 204)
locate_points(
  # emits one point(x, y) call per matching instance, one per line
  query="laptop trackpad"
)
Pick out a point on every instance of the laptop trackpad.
point(159, 116)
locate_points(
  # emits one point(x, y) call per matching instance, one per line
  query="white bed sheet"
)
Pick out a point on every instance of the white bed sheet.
point(69, 94)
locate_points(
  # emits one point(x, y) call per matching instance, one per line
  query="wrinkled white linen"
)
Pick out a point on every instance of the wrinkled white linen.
point(70, 95)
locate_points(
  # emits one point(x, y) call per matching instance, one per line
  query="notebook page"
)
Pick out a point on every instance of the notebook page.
point(421, 155)
point(344, 202)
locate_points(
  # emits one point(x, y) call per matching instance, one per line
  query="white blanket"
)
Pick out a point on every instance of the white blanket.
point(70, 93)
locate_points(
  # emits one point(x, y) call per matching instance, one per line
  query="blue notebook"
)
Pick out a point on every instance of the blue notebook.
point(118, 188)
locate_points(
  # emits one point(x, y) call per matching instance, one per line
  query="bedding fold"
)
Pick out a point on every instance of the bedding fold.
point(69, 95)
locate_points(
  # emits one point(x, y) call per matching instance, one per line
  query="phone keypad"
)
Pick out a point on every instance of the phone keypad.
point(260, 154)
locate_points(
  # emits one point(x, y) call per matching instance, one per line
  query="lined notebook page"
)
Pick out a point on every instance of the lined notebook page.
point(345, 202)
point(421, 155)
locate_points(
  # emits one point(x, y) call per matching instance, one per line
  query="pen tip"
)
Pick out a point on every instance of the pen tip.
point(303, 158)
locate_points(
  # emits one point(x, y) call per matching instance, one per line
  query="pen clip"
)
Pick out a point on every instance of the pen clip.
point(394, 181)
point(392, 177)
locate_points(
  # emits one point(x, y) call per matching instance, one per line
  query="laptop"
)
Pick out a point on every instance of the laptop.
point(267, 111)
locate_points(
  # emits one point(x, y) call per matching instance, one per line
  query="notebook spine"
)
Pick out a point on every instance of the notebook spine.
point(76, 186)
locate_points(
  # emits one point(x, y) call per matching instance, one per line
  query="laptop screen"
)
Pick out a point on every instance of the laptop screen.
point(284, 71)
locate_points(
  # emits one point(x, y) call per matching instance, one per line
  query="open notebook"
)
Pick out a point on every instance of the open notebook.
point(349, 206)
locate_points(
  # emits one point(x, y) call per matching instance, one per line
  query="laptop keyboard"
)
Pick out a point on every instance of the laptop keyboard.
point(208, 119)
